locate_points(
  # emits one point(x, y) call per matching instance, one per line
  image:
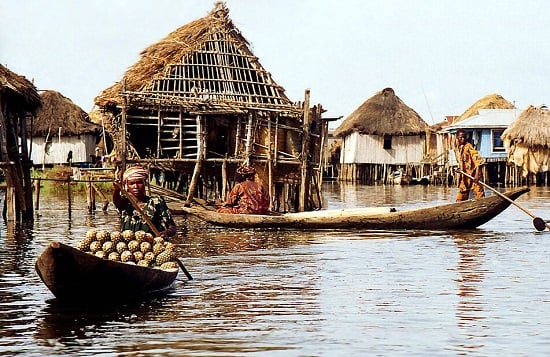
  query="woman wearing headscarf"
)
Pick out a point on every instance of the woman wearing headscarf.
point(134, 181)
point(247, 196)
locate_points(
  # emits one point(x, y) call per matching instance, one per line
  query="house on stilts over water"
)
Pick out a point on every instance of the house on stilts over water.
point(382, 135)
point(62, 132)
point(198, 104)
point(527, 142)
point(19, 101)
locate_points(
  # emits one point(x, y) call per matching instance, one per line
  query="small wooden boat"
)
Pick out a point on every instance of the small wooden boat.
point(75, 276)
point(458, 215)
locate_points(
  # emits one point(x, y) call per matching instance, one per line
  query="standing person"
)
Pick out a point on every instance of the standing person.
point(470, 162)
point(134, 180)
point(247, 196)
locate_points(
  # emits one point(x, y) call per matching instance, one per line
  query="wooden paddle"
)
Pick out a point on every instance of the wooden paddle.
point(539, 223)
point(135, 203)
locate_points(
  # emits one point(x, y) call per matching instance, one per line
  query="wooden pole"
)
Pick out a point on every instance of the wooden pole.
point(305, 152)
point(37, 194)
point(198, 164)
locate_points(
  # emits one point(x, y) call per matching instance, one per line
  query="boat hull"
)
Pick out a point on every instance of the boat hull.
point(73, 275)
point(458, 215)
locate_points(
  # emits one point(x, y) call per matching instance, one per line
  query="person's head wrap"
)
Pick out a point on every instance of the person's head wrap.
point(135, 173)
point(246, 170)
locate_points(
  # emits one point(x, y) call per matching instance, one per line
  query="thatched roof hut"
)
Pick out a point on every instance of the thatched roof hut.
point(18, 91)
point(189, 68)
point(490, 101)
point(527, 140)
point(532, 127)
point(18, 99)
point(383, 114)
point(58, 111)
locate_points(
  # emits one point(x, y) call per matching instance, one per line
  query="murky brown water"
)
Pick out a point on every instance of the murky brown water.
point(291, 293)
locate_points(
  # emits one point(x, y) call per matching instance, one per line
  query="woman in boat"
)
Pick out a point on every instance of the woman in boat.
point(470, 162)
point(247, 196)
point(134, 180)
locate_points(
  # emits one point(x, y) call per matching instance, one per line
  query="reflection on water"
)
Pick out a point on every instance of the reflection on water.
point(289, 293)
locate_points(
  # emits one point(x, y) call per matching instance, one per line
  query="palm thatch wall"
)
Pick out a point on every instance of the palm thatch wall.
point(199, 99)
point(61, 127)
point(527, 141)
point(18, 100)
point(490, 101)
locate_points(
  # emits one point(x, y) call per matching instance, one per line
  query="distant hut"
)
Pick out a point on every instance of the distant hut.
point(527, 141)
point(380, 136)
point(198, 103)
point(18, 101)
point(61, 128)
point(490, 101)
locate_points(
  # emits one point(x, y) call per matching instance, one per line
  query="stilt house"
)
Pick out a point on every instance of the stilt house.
point(484, 121)
point(61, 128)
point(19, 100)
point(381, 135)
point(527, 141)
point(198, 103)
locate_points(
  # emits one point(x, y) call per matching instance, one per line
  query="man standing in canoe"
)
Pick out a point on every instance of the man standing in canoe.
point(134, 180)
point(470, 162)
point(247, 196)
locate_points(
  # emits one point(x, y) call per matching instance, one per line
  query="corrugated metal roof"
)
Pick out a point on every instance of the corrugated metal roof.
point(487, 118)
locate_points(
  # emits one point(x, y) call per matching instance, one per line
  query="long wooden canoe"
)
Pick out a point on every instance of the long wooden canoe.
point(458, 215)
point(73, 275)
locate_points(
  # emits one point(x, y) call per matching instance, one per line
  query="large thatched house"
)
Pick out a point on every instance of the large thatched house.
point(381, 135)
point(527, 141)
point(198, 103)
point(18, 100)
point(61, 128)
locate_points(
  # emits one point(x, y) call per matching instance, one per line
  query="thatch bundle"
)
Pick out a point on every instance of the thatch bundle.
point(491, 101)
point(16, 89)
point(527, 140)
point(57, 112)
point(383, 114)
point(156, 60)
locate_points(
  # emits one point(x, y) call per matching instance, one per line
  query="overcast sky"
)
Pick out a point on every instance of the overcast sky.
point(439, 56)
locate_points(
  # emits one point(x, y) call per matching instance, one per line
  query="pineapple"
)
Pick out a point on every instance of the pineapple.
point(133, 246)
point(102, 236)
point(145, 247)
point(114, 256)
point(121, 247)
point(126, 256)
point(108, 247)
point(169, 265)
point(128, 235)
point(95, 246)
point(116, 237)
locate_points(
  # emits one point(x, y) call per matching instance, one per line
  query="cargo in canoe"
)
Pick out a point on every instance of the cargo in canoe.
point(73, 275)
point(458, 215)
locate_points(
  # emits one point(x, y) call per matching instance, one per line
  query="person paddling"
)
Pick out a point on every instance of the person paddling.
point(134, 181)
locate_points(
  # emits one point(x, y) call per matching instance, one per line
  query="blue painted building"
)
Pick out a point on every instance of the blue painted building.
point(484, 131)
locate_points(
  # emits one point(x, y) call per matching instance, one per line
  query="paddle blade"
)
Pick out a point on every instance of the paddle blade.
point(539, 224)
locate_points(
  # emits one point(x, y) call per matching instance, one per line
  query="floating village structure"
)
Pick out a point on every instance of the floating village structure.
point(198, 104)
point(62, 132)
point(383, 135)
point(19, 100)
point(527, 142)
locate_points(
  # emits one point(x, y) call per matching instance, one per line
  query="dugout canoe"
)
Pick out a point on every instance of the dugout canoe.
point(73, 275)
point(458, 215)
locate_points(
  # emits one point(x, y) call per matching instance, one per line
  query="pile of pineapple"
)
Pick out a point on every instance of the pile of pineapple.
point(139, 248)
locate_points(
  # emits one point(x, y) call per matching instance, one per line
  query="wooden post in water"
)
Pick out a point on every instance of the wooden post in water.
point(304, 184)
point(37, 194)
point(69, 194)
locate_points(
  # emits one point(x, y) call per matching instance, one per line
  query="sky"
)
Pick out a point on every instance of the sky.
point(439, 56)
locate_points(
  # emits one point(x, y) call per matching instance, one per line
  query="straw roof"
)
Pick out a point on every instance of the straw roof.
point(532, 127)
point(205, 61)
point(57, 112)
point(383, 114)
point(19, 91)
point(490, 101)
